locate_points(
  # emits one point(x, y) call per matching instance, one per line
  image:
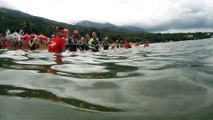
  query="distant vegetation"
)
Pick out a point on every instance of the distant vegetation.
point(16, 20)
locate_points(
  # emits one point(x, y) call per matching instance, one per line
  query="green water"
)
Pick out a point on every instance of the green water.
point(167, 81)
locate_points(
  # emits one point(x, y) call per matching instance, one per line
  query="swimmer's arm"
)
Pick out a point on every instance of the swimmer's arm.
point(30, 44)
point(63, 49)
point(63, 46)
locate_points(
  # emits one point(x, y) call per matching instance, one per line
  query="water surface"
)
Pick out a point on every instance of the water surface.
point(165, 81)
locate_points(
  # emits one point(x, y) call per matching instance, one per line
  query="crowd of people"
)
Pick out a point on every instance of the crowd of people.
point(75, 42)
point(32, 43)
point(61, 41)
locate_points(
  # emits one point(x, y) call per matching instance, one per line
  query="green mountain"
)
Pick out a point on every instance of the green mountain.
point(17, 20)
point(133, 28)
point(105, 25)
point(14, 13)
point(86, 23)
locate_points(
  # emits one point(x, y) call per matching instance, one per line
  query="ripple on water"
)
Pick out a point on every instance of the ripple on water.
point(171, 80)
point(80, 60)
point(39, 55)
point(164, 88)
point(35, 62)
point(15, 55)
point(80, 68)
point(45, 95)
point(105, 85)
point(165, 96)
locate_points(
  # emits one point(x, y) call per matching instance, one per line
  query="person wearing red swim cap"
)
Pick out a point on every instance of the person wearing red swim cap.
point(146, 44)
point(127, 44)
point(73, 41)
point(75, 32)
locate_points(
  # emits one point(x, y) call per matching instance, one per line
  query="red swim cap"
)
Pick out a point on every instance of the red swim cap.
point(75, 32)
point(32, 36)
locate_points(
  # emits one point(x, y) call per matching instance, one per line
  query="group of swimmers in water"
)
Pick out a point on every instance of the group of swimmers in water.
point(59, 43)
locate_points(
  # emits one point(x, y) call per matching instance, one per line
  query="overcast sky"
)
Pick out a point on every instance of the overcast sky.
point(151, 15)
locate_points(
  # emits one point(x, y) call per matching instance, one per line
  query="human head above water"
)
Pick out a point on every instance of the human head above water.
point(82, 38)
point(75, 33)
point(59, 32)
point(94, 34)
point(87, 36)
point(32, 36)
point(106, 38)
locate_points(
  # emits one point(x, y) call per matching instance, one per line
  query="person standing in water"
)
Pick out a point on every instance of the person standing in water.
point(105, 43)
point(146, 44)
point(87, 39)
point(33, 43)
point(73, 41)
point(83, 44)
point(94, 42)
point(57, 44)
point(117, 44)
point(127, 44)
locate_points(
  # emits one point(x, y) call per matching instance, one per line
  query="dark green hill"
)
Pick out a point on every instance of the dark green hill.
point(17, 20)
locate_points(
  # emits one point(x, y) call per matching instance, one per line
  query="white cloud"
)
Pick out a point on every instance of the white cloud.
point(153, 15)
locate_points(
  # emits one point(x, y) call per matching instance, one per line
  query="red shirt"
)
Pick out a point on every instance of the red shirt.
point(127, 45)
point(146, 45)
point(56, 45)
point(137, 44)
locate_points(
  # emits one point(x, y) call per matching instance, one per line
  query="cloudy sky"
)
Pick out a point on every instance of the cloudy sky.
point(151, 15)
